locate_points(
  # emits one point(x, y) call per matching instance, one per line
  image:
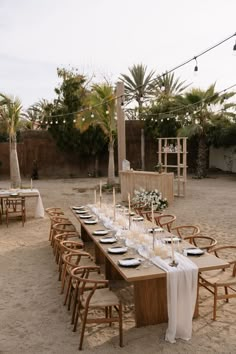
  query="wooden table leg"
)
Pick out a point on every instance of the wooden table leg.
point(150, 298)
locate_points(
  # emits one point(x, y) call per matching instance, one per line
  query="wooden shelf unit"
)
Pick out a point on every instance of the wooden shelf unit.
point(177, 146)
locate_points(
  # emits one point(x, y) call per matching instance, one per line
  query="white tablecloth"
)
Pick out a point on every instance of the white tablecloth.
point(39, 209)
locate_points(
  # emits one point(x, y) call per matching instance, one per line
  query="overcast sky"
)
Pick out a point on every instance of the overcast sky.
point(106, 37)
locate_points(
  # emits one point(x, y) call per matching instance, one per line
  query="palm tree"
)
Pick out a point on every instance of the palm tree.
point(10, 116)
point(102, 101)
point(166, 86)
point(138, 85)
point(199, 111)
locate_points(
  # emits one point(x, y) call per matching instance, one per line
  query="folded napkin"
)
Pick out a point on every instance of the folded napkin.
point(181, 296)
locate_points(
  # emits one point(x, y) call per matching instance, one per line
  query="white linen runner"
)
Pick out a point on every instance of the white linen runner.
point(181, 296)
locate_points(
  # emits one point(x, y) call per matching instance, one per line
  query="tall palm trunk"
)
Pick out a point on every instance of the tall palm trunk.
point(14, 164)
point(202, 159)
point(111, 164)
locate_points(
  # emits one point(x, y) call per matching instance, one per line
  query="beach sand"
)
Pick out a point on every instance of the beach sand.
point(33, 318)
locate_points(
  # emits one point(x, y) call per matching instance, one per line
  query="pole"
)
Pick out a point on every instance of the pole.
point(120, 125)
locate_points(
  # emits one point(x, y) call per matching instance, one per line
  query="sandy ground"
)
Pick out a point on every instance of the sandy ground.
point(33, 318)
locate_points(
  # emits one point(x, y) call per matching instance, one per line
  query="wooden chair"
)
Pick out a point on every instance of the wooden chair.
point(56, 220)
point(70, 261)
point(95, 299)
point(184, 231)
point(61, 227)
point(67, 246)
point(165, 221)
point(15, 207)
point(204, 242)
point(54, 211)
point(65, 236)
point(148, 214)
point(221, 283)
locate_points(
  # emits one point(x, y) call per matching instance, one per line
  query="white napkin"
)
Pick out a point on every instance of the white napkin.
point(181, 296)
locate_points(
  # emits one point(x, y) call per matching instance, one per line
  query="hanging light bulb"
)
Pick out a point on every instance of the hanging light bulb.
point(64, 121)
point(56, 122)
point(51, 122)
point(234, 48)
point(46, 122)
point(92, 115)
point(74, 120)
point(196, 66)
point(107, 112)
point(83, 119)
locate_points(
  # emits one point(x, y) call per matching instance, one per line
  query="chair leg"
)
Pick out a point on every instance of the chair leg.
point(215, 303)
point(63, 278)
point(120, 325)
point(226, 293)
point(83, 329)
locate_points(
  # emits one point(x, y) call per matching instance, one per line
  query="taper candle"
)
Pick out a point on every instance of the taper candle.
point(152, 214)
point(172, 248)
point(129, 203)
point(95, 196)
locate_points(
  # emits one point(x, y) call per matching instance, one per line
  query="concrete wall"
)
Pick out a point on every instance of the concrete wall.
point(223, 158)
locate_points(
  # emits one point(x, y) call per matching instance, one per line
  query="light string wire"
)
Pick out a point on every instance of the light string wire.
point(140, 86)
point(191, 104)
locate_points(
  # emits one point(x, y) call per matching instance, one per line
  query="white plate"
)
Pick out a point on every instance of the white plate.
point(78, 207)
point(88, 216)
point(101, 232)
point(117, 250)
point(108, 239)
point(157, 229)
point(129, 262)
point(90, 222)
point(193, 252)
point(137, 218)
point(81, 211)
point(175, 239)
point(132, 213)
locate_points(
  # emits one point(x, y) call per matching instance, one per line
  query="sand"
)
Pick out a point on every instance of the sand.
point(33, 318)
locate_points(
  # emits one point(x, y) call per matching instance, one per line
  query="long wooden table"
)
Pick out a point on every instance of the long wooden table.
point(150, 289)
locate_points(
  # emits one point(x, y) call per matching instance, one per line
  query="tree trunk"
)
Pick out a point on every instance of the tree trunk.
point(202, 159)
point(111, 164)
point(14, 164)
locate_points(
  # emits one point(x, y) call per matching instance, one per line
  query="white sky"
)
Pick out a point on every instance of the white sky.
point(106, 37)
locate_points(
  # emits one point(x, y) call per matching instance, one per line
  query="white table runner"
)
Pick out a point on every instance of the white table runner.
point(181, 296)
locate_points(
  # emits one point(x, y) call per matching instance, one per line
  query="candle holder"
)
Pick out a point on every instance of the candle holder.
point(173, 263)
point(153, 238)
point(129, 220)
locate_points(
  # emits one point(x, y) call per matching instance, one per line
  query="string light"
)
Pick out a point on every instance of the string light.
point(92, 115)
point(64, 121)
point(161, 76)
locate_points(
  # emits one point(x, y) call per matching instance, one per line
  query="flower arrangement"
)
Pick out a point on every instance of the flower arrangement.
point(149, 198)
point(159, 167)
